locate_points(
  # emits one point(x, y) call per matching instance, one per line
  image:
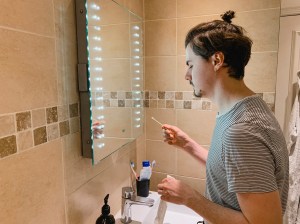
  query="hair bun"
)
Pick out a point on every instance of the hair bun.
point(227, 16)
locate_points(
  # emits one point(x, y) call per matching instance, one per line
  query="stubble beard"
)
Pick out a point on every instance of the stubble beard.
point(199, 95)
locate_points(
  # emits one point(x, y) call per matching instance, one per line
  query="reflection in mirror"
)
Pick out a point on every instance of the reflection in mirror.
point(115, 69)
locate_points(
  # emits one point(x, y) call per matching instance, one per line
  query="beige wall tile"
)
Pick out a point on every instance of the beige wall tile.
point(260, 73)
point(109, 13)
point(262, 27)
point(159, 73)
point(52, 131)
point(116, 39)
point(157, 177)
point(63, 112)
point(117, 122)
point(198, 124)
point(34, 77)
point(129, 148)
point(72, 84)
point(164, 155)
point(64, 128)
point(197, 184)
point(73, 110)
point(140, 151)
point(111, 145)
point(205, 7)
point(38, 14)
point(263, 33)
point(183, 27)
point(85, 201)
point(153, 103)
point(69, 55)
point(160, 38)
point(72, 151)
point(32, 184)
point(7, 125)
point(74, 125)
point(25, 140)
point(38, 117)
point(121, 2)
point(165, 116)
point(138, 122)
point(135, 6)
point(188, 166)
point(59, 43)
point(115, 75)
point(160, 9)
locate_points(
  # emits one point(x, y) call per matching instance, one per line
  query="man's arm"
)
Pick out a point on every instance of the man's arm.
point(257, 208)
point(261, 207)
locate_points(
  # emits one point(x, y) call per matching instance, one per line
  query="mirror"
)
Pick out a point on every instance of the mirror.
point(115, 76)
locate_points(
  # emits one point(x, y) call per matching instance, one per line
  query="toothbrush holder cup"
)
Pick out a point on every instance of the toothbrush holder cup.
point(142, 188)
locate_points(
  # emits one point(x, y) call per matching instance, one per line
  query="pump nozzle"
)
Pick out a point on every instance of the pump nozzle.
point(105, 207)
point(105, 217)
point(106, 199)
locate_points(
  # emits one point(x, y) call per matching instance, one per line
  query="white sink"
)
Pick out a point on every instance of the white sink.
point(175, 214)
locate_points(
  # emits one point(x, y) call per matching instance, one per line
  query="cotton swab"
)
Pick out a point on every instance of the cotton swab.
point(156, 121)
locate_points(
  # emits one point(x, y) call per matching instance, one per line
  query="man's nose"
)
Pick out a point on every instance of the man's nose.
point(188, 76)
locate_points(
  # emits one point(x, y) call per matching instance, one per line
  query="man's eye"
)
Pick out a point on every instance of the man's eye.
point(190, 67)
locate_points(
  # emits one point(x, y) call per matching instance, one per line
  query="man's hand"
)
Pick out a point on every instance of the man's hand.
point(175, 191)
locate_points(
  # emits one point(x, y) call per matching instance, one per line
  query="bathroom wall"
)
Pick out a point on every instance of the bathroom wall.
point(43, 178)
point(169, 97)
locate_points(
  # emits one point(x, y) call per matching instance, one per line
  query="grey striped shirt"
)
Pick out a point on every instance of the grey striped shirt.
point(248, 154)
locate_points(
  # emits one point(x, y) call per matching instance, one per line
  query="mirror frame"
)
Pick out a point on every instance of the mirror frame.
point(85, 84)
point(83, 79)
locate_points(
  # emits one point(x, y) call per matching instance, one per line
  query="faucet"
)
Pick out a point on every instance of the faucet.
point(129, 198)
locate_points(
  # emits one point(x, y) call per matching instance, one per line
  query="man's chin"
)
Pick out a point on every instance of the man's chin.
point(198, 95)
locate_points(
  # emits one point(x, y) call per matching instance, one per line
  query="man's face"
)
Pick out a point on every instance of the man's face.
point(200, 74)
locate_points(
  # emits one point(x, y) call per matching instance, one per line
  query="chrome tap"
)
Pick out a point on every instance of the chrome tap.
point(129, 198)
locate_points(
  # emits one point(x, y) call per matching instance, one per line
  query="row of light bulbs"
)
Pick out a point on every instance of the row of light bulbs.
point(96, 86)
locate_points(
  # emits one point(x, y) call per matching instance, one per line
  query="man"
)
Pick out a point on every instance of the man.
point(247, 164)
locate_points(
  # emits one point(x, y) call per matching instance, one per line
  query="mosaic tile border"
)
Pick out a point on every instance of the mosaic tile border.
point(23, 130)
point(162, 99)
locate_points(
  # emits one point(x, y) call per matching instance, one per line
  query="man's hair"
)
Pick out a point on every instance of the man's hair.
point(208, 38)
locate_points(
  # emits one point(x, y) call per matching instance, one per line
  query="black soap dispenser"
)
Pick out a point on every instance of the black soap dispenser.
point(105, 217)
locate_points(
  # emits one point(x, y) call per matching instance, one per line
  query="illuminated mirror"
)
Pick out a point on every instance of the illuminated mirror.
point(112, 74)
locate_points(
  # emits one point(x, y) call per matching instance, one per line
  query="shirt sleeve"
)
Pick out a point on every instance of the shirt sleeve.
point(249, 163)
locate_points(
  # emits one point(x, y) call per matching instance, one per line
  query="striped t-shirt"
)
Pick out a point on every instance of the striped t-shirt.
point(247, 154)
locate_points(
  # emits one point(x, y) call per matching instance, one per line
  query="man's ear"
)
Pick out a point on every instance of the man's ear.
point(218, 60)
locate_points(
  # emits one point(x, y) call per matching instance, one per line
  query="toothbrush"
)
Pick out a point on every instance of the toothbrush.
point(153, 164)
point(133, 171)
point(156, 121)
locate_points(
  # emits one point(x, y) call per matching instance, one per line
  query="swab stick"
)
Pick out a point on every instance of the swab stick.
point(156, 121)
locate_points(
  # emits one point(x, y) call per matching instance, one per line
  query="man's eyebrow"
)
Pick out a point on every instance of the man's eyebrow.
point(187, 62)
